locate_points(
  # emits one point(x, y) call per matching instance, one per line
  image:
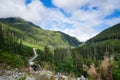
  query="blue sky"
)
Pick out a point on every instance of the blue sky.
point(28, 1)
point(115, 14)
point(79, 18)
point(48, 3)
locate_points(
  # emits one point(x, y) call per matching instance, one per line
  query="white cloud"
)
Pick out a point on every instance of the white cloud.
point(85, 21)
point(17, 8)
point(82, 22)
point(70, 5)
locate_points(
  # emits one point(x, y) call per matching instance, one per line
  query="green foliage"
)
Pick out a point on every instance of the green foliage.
point(1, 37)
point(11, 60)
point(110, 33)
point(116, 74)
point(35, 35)
point(11, 48)
point(67, 64)
point(17, 37)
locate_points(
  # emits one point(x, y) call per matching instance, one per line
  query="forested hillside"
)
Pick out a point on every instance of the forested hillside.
point(110, 33)
point(96, 59)
point(18, 37)
point(34, 34)
point(105, 44)
point(12, 52)
point(90, 56)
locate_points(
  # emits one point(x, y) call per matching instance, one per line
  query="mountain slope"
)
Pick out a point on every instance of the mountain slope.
point(108, 34)
point(107, 43)
point(36, 35)
point(18, 37)
point(104, 44)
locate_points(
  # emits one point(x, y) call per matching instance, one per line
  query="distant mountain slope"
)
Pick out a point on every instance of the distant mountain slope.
point(108, 34)
point(106, 43)
point(32, 33)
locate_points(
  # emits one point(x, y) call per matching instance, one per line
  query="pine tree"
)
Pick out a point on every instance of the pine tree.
point(1, 37)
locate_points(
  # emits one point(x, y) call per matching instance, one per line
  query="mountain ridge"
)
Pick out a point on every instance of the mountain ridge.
point(36, 35)
point(109, 33)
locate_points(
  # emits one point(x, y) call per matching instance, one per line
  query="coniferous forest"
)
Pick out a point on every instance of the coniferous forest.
point(96, 59)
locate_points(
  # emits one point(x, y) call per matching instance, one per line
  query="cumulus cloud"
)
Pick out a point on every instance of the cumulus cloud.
point(88, 15)
point(85, 15)
point(17, 8)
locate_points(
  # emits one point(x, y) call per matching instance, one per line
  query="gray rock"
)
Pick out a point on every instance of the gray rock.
point(30, 78)
point(82, 77)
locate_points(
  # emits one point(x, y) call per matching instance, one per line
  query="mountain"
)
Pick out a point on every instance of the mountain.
point(18, 37)
point(108, 34)
point(106, 43)
point(34, 34)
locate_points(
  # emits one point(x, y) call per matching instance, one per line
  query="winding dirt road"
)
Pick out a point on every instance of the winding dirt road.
point(35, 56)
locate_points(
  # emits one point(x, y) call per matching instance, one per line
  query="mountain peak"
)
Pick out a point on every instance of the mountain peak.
point(12, 19)
point(17, 21)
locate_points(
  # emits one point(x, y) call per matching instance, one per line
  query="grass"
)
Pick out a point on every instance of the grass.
point(33, 45)
point(10, 60)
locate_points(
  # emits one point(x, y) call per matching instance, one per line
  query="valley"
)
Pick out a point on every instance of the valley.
point(22, 43)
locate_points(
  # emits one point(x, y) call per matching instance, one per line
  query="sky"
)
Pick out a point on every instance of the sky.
point(82, 19)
